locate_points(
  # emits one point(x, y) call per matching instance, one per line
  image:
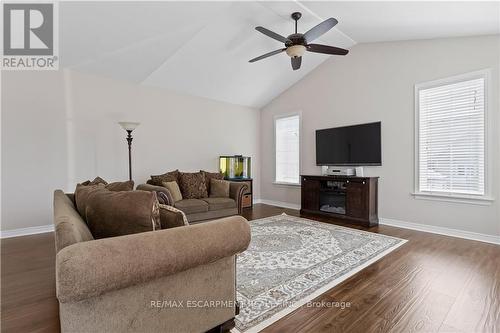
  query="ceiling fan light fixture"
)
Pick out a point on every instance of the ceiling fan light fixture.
point(295, 51)
point(297, 44)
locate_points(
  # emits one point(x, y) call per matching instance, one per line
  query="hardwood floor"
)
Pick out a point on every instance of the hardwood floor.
point(432, 283)
point(28, 284)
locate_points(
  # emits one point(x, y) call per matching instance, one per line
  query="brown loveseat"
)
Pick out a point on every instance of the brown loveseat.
point(208, 208)
point(143, 282)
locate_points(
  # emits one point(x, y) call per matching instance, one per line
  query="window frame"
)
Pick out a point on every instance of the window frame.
point(484, 199)
point(275, 118)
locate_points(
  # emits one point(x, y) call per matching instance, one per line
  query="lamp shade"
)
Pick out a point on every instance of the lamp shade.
point(295, 51)
point(128, 126)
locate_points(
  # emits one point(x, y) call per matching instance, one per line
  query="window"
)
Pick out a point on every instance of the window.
point(287, 149)
point(450, 137)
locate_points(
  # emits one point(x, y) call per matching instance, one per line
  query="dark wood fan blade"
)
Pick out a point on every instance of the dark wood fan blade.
point(318, 48)
point(273, 35)
point(320, 29)
point(296, 63)
point(266, 55)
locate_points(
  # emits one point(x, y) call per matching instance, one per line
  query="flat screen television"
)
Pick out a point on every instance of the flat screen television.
point(355, 145)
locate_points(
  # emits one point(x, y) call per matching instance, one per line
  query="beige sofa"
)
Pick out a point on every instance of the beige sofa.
point(202, 209)
point(144, 282)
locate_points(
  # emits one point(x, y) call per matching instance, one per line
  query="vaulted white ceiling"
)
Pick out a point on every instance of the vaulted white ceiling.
point(203, 48)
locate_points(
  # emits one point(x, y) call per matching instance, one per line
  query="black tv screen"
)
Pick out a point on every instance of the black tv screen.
point(349, 145)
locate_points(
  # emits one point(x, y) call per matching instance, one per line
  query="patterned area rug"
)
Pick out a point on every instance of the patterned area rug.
point(292, 260)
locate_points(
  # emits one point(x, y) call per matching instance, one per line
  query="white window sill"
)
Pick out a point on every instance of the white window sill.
point(458, 198)
point(286, 184)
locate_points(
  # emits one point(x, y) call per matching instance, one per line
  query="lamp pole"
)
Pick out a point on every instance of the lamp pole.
point(129, 127)
point(129, 140)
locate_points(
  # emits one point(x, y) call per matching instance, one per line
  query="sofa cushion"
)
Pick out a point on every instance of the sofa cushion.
point(82, 193)
point(193, 185)
point(220, 203)
point(110, 214)
point(83, 190)
point(211, 175)
point(219, 188)
point(190, 206)
point(127, 185)
point(174, 190)
point(171, 176)
point(121, 186)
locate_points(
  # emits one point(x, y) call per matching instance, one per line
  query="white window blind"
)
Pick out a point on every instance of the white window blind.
point(287, 141)
point(451, 138)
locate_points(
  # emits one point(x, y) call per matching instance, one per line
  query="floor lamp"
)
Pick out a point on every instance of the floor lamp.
point(129, 127)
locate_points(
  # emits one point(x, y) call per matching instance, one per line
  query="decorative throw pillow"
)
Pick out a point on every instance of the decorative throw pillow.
point(120, 186)
point(193, 185)
point(211, 175)
point(174, 190)
point(219, 188)
point(96, 181)
point(84, 189)
point(110, 214)
point(171, 176)
point(82, 193)
point(115, 186)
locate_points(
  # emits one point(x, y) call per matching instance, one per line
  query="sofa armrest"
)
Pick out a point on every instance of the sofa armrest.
point(168, 218)
point(89, 269)
point(162, 192)
point(236, 191)
point(171, 217)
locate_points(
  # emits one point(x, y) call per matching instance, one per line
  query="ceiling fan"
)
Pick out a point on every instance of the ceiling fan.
point(296, 44)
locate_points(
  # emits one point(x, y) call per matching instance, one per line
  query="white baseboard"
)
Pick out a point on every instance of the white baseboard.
point(26, 231)
point(277, 203)
point(410, 225)
point(441, 230)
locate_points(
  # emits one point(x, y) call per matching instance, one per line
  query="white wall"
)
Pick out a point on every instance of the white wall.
point(375, 82)
point(60, 128)
point(33, 147)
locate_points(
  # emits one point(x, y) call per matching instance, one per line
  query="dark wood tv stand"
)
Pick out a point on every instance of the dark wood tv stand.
point(346, 197)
